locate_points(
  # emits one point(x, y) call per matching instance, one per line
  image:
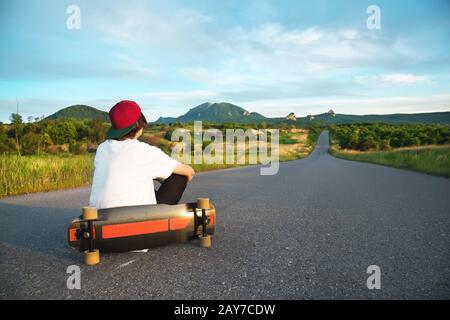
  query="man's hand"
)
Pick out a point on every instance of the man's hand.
point(184, 170)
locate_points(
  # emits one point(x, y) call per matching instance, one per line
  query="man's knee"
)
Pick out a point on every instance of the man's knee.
point(177, 178)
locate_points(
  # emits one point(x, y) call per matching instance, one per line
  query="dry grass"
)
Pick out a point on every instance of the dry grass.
point(27, 174)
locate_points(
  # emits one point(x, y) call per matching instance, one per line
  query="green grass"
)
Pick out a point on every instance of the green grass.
point(287, 138)
point(27, 174)
point(428, 160)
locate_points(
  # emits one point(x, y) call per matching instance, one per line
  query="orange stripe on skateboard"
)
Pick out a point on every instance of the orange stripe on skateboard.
point(73, 234)
point(135, 228)
point(179, 223)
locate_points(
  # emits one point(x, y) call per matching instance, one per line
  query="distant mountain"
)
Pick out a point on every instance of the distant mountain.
point(398, 118)
point(217, 112)
point(227, 112)
point(79, 112)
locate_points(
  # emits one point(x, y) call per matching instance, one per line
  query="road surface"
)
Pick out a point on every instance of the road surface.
point(310, 231)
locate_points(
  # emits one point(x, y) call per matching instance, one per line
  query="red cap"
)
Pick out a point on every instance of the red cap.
point(124, 114)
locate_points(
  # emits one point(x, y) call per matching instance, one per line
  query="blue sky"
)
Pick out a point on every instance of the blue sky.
point(271, 57)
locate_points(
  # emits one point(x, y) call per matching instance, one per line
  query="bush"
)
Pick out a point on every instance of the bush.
point(34, 143)
point(97, 131)
point(78, 147)
point(6, 144)
point(385, 136)
point(62, 132)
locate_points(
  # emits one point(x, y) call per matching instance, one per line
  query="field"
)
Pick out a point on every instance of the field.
point(45, 172)
point(27, 174)
point(431, 159)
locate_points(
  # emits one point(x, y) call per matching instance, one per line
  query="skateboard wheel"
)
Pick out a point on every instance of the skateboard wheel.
point(205, 241)
point(90, 213)
point(91, 257)
point(203, 203)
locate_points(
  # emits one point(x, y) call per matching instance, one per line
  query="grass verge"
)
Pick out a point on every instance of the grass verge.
point(432, 160)
point(27, 174)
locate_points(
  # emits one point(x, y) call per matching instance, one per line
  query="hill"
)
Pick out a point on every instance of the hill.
point(79, 112)
point(217, 112)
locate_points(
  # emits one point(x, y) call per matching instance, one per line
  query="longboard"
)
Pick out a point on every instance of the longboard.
point(130, 228)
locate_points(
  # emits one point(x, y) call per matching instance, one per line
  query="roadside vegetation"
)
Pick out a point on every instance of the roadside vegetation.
point(379, 136)
point(43, 155)
point(32, 173)
point(424, 148)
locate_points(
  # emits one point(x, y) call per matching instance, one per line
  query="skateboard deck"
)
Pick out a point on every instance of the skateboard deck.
point(130, 228)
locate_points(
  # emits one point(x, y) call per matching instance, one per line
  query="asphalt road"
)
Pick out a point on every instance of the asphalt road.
point(310, 231)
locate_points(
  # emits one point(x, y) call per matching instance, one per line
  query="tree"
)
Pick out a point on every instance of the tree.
point(97, 131)
point(61, 131)
point(385, 145)
point(16, 120)
point(367, 143)
point(6, 144)
point(35, 142)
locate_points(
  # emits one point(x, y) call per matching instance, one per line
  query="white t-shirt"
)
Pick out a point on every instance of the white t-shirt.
point(124, 173)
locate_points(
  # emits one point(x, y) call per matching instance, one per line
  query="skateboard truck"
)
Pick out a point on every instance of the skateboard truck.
point(91, 256)
point(205, 239)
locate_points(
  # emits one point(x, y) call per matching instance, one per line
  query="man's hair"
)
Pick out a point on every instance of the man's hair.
point(140, 124)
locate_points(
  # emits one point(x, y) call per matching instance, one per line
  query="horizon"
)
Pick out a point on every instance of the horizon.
point(268, 57)
point(223, 102)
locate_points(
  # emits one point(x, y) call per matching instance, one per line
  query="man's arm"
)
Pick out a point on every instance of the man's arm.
point(184, 170)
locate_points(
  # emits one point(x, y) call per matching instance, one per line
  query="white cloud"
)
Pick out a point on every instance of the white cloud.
point(270, 55)
point(274, 47)
point(148, 25)
point(125, 64)
point(399, 78)
point(395, 78)
point(264, 58)
point(173, 96)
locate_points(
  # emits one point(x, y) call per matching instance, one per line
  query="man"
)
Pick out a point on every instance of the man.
point(124, 168)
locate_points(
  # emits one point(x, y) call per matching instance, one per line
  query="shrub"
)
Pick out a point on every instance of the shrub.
point(61, 132)
point(385, 136)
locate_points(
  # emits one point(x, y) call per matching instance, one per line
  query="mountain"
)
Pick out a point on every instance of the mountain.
point(217, 112)
point(79, 111)
point(227, 112)
point(398, 118)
